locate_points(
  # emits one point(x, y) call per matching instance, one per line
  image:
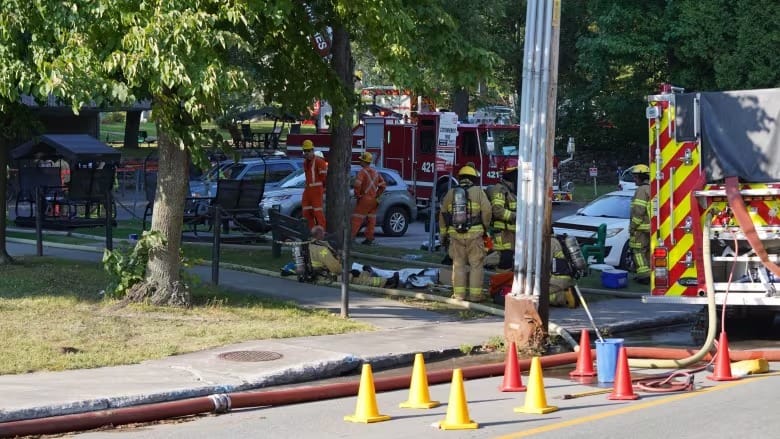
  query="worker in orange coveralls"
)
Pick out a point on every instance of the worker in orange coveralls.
point(369, 186)
point(316, 170)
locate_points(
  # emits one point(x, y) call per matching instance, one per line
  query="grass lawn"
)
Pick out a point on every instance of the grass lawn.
point(55, 318)
point(584, 193)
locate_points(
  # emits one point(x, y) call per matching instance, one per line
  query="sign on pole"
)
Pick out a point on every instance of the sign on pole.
point(594, 172)
point(445, 146)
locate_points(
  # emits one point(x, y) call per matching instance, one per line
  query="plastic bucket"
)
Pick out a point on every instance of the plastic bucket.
point(606, 358)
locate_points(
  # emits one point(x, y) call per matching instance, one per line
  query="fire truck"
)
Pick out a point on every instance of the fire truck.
point(715, 186)
point(411, 149)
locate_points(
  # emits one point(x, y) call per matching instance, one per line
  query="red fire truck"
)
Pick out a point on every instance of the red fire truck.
point(715, 185)
point(410, 148)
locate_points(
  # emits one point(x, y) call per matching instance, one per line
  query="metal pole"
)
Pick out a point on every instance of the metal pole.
point(540, 194)
point(532, 197)
point(432, 209)
point(217, 226)
point(345, 271)
point(39, 211)
point(544, 299)
point(526, 120)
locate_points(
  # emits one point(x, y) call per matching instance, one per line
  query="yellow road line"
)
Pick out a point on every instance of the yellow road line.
point(628, 409)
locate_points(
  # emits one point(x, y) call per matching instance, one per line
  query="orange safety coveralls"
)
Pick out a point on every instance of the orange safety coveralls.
point(369, 186)
point(316, 171)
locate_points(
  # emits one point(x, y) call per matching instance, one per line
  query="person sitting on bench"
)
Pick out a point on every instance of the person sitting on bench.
point(324, 261)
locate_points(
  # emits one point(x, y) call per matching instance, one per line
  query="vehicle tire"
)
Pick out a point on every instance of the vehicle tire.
point(627, 260)
point(297, 213)
point(396, 221)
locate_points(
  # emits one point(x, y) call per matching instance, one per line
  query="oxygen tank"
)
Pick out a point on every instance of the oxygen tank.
point(575, 253)
point(460, 215)
point(300, 263)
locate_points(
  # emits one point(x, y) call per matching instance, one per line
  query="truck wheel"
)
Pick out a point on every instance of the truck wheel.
point(396, 221)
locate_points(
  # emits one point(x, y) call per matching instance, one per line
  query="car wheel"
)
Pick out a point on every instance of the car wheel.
point(396, 221)
point(296, 213)
point(627, 259)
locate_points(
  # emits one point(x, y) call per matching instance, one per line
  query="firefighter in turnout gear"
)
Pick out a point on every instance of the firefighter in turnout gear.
point(324, 262)
point(463, 217)
point(639, 227)
point(561, 280)
point(369, 186)
point(503, 202)
point(316, 171)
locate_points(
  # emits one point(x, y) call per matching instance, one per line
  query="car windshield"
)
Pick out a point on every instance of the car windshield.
point(608, 206)
point(294, 180)
point(504, 141)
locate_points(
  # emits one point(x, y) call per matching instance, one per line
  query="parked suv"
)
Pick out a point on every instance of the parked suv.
point(272, 168)
point(397, 207)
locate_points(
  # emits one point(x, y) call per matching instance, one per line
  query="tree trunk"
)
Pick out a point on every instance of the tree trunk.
point(460, 103)
point(163, 284)
point(340, 156)
point(132, 125)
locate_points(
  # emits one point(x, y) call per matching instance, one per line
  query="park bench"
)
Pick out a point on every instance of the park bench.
point(67, 179)
point(238, 201)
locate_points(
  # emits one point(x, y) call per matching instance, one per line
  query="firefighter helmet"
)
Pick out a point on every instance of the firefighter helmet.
point(468, 171)
point(509, 174)
point(640, 169)
point(366, 157)
point(308, 145)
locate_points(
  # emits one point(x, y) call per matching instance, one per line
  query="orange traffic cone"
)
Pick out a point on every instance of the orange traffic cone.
point(535, 399)
point(584, 359)
point(512, 380)
point(457, 417)
point(722, 370)
point(623, 389)
point(419, 397)
point(366, 410)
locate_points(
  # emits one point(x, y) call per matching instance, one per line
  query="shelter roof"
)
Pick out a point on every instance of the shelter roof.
point(71, 147)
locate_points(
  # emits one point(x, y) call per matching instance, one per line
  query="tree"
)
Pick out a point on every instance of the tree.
point(181, 56)
point(43, 56)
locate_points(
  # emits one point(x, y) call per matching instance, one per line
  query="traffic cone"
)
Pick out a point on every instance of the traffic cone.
point(419, 397)
point(584, 359)
point(623, 389)
point(722, 370)
point(457, 417)
point(535, 399)
point(366, 410)
point(512, 380)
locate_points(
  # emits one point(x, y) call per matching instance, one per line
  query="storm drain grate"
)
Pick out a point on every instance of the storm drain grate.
point(250, 356)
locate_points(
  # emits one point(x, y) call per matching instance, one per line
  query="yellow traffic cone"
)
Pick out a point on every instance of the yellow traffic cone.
point(535, 400)
point(366, 410)
point(419, 397)
point(457, 417)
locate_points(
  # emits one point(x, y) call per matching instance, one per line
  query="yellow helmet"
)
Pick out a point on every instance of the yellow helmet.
point(468, 171)
point(366, 157)
point(640, 169)
point(307, 145)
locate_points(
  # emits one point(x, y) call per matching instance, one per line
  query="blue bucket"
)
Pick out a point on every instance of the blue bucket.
point(606, 358)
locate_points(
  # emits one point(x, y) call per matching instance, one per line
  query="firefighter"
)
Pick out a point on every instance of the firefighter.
point(463, 217)
point(369, 186)
point(316, 170)
point(639, 228)
point(561, 280)
point(325, 262)
point(503, 201)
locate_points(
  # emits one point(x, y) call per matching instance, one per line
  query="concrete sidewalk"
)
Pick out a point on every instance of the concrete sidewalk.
point(402, 332)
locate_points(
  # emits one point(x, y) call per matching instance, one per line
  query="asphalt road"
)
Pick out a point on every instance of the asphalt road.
point(715, 410)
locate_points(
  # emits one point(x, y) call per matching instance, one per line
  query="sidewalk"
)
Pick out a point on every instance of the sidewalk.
point(402, 331)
